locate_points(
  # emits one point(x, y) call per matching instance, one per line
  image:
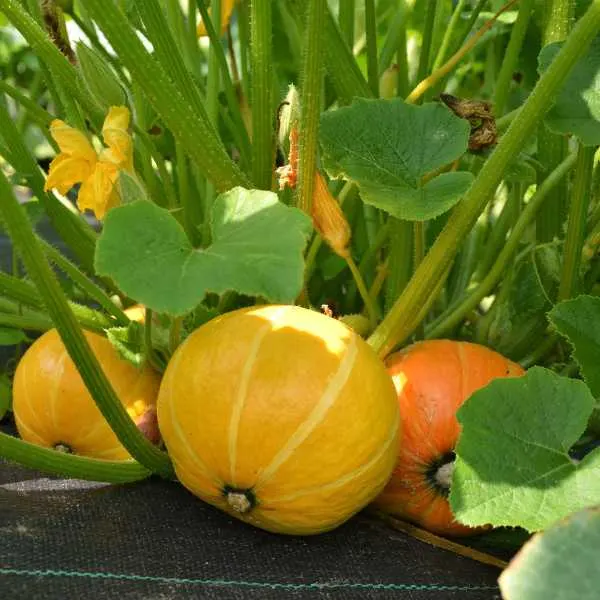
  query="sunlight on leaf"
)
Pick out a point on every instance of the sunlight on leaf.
point(513, 466)
point(387, 147)
point(257, 250)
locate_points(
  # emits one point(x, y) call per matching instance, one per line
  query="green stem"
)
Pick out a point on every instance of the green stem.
point(427, 33)
point(79, 236)
point(66, 75)
point(372, 310)
point(187, 124)
point(94, 291)
point(29, 321)
point(400, 265)
point(343, 70)
point(552, 148)
point(511, 56)
point(310, 102)
point(192, 209)
point(396, 326)
point(395, 38)
point(233, 104)
point(149, 351)
point(263, 147)
point(68, 465)
point(35, 262)
point(570, 280)
point(346, 20)
point(442, 53)
point(175, 333)
point(371, 37)
point(458, 312)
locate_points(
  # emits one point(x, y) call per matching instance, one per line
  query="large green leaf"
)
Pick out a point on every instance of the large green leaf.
point(387, 146)
point(577, 107)
point(513, 466)
point(257, 250)
point(562, 562)
point(579, 321)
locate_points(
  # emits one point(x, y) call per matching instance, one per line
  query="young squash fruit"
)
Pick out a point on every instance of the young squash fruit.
point(53, 408)
point(432, 379)
point(280, 416)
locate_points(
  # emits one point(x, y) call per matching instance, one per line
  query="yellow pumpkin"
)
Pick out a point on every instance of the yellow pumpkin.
point(53, 408)
point(280, 416)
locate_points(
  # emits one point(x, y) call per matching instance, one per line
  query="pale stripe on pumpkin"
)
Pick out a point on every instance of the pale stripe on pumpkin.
point(356, 473)
point(60, 367)
point(240, 400)
point(316, 416)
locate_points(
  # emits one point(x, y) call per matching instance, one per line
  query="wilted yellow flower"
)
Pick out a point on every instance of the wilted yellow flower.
point(227, 7)
point(78, 162)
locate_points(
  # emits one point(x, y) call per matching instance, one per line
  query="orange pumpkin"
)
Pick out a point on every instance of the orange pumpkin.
point(280, 416)
point(53, 408)
point(432, 379)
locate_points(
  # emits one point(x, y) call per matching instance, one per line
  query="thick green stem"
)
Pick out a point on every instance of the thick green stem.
point(263, 138)
point(396, 327)
point(310, 102)
point(552, 148)
point(346, 21)
point(459, 311)
point(195, 133)
point(400, 261)
point(69, 465)
point(343, 70)
point(511, 56)
point(35, 262)
point(371, 37)
point(570, 280)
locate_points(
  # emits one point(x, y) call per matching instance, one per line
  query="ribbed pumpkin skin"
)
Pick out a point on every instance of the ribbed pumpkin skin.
point(433, 379)
point(52, 405)
point(287, 405)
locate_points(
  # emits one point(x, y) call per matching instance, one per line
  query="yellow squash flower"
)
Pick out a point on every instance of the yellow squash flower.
point(78, 162)
point(227, 7)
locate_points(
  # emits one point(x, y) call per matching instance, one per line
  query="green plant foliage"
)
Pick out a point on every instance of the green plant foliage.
point(11, 337)
point(128, 342)
point(5, 395)
point(577, 107)
point(387, 147)
point(558, 563)
point(513, 466)
point(256, 250)
point(579, 321)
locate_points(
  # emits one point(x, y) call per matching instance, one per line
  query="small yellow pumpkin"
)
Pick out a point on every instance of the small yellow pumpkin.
point(280, 416)
point(53, 408)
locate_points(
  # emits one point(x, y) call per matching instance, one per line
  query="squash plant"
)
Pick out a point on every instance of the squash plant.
point(416, 170)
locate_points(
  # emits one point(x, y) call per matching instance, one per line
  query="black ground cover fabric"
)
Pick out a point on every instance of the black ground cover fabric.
point(153, 540)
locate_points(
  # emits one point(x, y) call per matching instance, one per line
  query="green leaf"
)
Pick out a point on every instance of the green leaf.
point(11, 337)
point(130, 188)
point(128, 342)
point(561, 562)
point(386, 147)
point(577, 107)
point(579, 321)
point(520, 316)
point(5, 395)
point(513, 466)
point(257, 250)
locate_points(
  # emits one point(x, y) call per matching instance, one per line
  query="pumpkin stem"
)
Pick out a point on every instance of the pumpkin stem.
point(242, 501)
point(443, 476)
point(440, 473)
point(64, 448)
